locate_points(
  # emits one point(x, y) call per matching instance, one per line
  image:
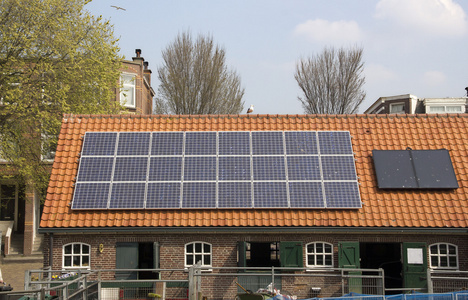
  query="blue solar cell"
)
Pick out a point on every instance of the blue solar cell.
point(127, 195)
point(306, 194)
point(130, 169)
point(342, 195)
point(163, 195)
point(270, 194)
point(199, 195)
point(234, 195)
point(199, 168)
point(167, 143)
point(134, 143)
point(335, 142)
point(95, 169)
point(165, 169)
point(234, 143)
point(303, 168)
point(267, 143)
point(99, 143)
point(268, 168)
point(234, 168)
point(91, 195)
point(338, 168)
point(200, 143)
point(301, 142)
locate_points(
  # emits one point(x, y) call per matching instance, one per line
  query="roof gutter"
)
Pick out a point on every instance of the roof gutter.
point(259, 230)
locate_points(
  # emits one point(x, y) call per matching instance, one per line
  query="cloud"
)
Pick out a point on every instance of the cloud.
point(325, 31)
point(434, 17)
point(379, 73)
point(434, 78)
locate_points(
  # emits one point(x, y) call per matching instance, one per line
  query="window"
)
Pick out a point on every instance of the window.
point(198, 252)
point(268, 254)
point(443, 256)
point(397, 108)
point(76, 255)
point(8, 195)
point(49, 145)
point(127, 90)
point(319, 254)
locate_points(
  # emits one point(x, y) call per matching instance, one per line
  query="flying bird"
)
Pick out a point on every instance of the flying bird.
point(250, 109)
point(118, 7)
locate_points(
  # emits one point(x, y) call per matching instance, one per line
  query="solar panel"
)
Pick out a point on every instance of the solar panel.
point(99, 143)
point(414, 169)
point(259, 169)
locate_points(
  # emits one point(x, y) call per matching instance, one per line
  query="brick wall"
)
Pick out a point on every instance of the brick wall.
point(224, 249)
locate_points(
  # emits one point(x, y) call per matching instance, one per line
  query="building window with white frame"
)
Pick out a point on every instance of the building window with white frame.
point(127, 90)
point(397, 108)
point(76, 256)
point(198, 252)
point(443, 256)
point(319, 254)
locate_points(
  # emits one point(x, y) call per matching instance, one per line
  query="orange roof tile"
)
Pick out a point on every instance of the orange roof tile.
point(381, 208)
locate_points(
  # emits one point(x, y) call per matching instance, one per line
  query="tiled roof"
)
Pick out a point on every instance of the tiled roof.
point(381, 208)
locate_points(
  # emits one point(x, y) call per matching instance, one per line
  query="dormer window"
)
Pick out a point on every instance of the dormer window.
point(127, 90)
point(397, 108)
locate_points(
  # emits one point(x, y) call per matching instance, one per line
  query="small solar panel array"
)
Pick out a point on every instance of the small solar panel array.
point(224, 169)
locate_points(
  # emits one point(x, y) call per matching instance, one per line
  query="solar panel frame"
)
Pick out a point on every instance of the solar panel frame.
point(225, 169)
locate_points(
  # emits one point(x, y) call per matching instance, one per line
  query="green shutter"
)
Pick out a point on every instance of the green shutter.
point(126, 258)
point(415, 265)
point(348, 255)
point(291, 254)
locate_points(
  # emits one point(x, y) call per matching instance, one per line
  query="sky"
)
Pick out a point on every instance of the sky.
point(417, 47)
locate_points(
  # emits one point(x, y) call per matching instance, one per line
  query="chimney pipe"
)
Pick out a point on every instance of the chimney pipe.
point(466, 89)
point(138, 52)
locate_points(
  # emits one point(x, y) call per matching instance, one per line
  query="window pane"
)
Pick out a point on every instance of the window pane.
point(85, 261)
point(68, 249)
point(433, 249)
point(320, 260)
point(198, 248)
point(319, 247)
point(310, 260)
point(437, 108)
point(67, 261)
point(189, 260)
point(434, 261)
point(207, 260)
point(85, 249)
point(310, 248)
point(443, 249)
point(206, 248)
point(76, 248)
point(328, 260)
point(443, 261)
point(452, 249)
point(454, 108)
point(189, 248)
point(198, 258)
point(328, 248)
point(76, 261)
point(452, 261)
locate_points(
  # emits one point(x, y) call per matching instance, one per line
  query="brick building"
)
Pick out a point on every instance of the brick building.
point(300, 195)
point(21, 208)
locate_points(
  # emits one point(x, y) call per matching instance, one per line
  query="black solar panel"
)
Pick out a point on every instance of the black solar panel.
point(414, 169)
point(260, 169)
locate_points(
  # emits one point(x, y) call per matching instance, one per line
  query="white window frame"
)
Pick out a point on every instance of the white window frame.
point(397, 104)
point(445, 109)
point(316, 254)
point(439, 255)
point(201, 253)
point(80, 255)
point(128, 87)
point(51, 154)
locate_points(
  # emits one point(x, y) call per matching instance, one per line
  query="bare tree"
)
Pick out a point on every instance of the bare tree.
point(194, 79)
point(332, 81)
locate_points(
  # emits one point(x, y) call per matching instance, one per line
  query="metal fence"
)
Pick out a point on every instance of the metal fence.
point(444, 281)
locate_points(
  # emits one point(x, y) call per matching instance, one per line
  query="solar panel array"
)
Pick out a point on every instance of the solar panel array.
point(225, 169)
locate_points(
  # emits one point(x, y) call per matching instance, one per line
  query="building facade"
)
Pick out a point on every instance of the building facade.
point(335, 207)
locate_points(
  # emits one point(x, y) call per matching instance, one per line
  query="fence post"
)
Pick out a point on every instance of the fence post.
point(27, 275)
point(430, 286)
point(273, 277)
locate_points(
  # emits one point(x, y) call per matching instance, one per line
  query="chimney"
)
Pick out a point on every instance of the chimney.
point(466, 89)
point(138, 56)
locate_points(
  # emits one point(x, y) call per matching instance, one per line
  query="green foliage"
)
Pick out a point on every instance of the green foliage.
point(55, 58)
point(194, 79)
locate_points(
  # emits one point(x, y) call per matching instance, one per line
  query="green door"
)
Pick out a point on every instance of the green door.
point(291, 254)
point(348, 257)
point(126, 258)
point(415, 266)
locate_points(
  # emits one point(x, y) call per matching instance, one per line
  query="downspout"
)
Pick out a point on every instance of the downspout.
point(51, 256)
